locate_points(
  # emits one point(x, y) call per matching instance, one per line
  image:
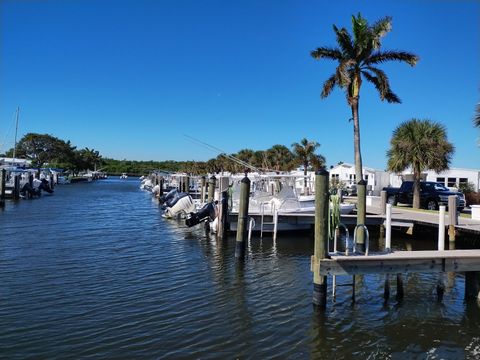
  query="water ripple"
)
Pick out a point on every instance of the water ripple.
point(95, 271)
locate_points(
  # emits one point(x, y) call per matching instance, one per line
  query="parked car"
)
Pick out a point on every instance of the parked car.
point(432, 195)
point(350, 190)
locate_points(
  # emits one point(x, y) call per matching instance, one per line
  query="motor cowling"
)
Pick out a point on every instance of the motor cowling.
point(206, 212)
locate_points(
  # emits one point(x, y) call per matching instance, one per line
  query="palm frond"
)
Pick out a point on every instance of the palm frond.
point(344, 40)
point(382, 84)
point(391, 97)
point(328, 86)
point(381, 77)
point(326, 53)
point(382, 87)
point(379, 29)
point(344, 72)
point(359, 28)
point(383, 56)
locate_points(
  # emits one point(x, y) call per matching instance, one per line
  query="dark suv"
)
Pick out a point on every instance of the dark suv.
point(432, 195)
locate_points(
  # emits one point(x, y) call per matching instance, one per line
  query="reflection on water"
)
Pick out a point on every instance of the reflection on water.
point(96, 271)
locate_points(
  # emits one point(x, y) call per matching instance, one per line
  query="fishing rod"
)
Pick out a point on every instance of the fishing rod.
point(223, 153)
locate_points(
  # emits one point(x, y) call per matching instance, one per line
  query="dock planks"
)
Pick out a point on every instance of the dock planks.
point(402, 262)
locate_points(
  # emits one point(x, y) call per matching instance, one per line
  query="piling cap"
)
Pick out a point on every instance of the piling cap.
point(213, 177)
point(362, 182)
point(245, 179)
point(322, 171)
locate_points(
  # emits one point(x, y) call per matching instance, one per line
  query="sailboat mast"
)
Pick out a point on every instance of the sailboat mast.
point(16, 130)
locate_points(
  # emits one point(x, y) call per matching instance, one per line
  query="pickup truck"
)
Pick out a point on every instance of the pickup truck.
point(432, 195)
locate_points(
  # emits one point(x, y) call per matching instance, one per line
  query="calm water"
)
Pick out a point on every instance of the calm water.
point(95, 271)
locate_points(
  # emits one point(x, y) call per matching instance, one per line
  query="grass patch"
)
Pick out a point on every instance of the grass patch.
point(466, 216)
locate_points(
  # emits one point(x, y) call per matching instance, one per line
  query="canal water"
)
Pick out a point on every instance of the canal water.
point(94, 271)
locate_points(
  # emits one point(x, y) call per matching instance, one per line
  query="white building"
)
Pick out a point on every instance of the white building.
point(452, 178)
point(376, 179)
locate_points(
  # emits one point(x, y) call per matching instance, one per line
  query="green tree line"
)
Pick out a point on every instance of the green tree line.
point(49, 151)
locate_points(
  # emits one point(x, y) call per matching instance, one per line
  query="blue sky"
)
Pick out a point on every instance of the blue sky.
point(130, 77)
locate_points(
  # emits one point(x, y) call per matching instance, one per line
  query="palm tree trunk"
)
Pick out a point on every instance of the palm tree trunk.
point(361, 198)
point(416, 187)
point(305, 166)
point(356, 140)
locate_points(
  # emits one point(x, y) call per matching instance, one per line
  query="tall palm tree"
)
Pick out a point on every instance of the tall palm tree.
point(358, 56)
point(421, 145)
point(304, 153)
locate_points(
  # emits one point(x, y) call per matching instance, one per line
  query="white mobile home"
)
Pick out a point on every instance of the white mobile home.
point(376, 179)
point(452, 178)
point(455, 177)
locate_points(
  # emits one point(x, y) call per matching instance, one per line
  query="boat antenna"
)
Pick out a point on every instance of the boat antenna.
point(16, 131)
point(223, 153)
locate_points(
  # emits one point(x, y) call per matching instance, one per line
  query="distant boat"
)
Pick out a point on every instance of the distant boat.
point(124, 176)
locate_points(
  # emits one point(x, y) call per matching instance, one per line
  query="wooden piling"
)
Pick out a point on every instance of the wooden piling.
point(16, 187)
point(30, 181)
point(361, 212)
point(242, 221)
point(211, 188)
point(452, 217)
point(321, 238)
point(161, 186)
point(51, 181)
point(203, 185)
point(186, 185)
point(222, 215)
point(3, 179)
point(383, 202)
point(381, 237)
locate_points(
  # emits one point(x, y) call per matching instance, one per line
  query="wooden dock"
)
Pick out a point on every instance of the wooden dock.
point(402, 262)
point(401, 218)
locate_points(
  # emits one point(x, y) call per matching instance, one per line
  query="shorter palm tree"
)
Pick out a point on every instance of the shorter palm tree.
point(304, 153)
point(421, 145)
point(279, 157)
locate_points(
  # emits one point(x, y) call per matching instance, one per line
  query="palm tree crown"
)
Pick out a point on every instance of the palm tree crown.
point(422, 145)
point(358, 56)
point(304, 153)
point(279, 157)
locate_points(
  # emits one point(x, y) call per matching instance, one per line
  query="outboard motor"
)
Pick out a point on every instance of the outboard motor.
point(175, 198)
point(45, 186)
point(182, 204)
point(205, 213)
point(30, 190)
point(168, 196)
